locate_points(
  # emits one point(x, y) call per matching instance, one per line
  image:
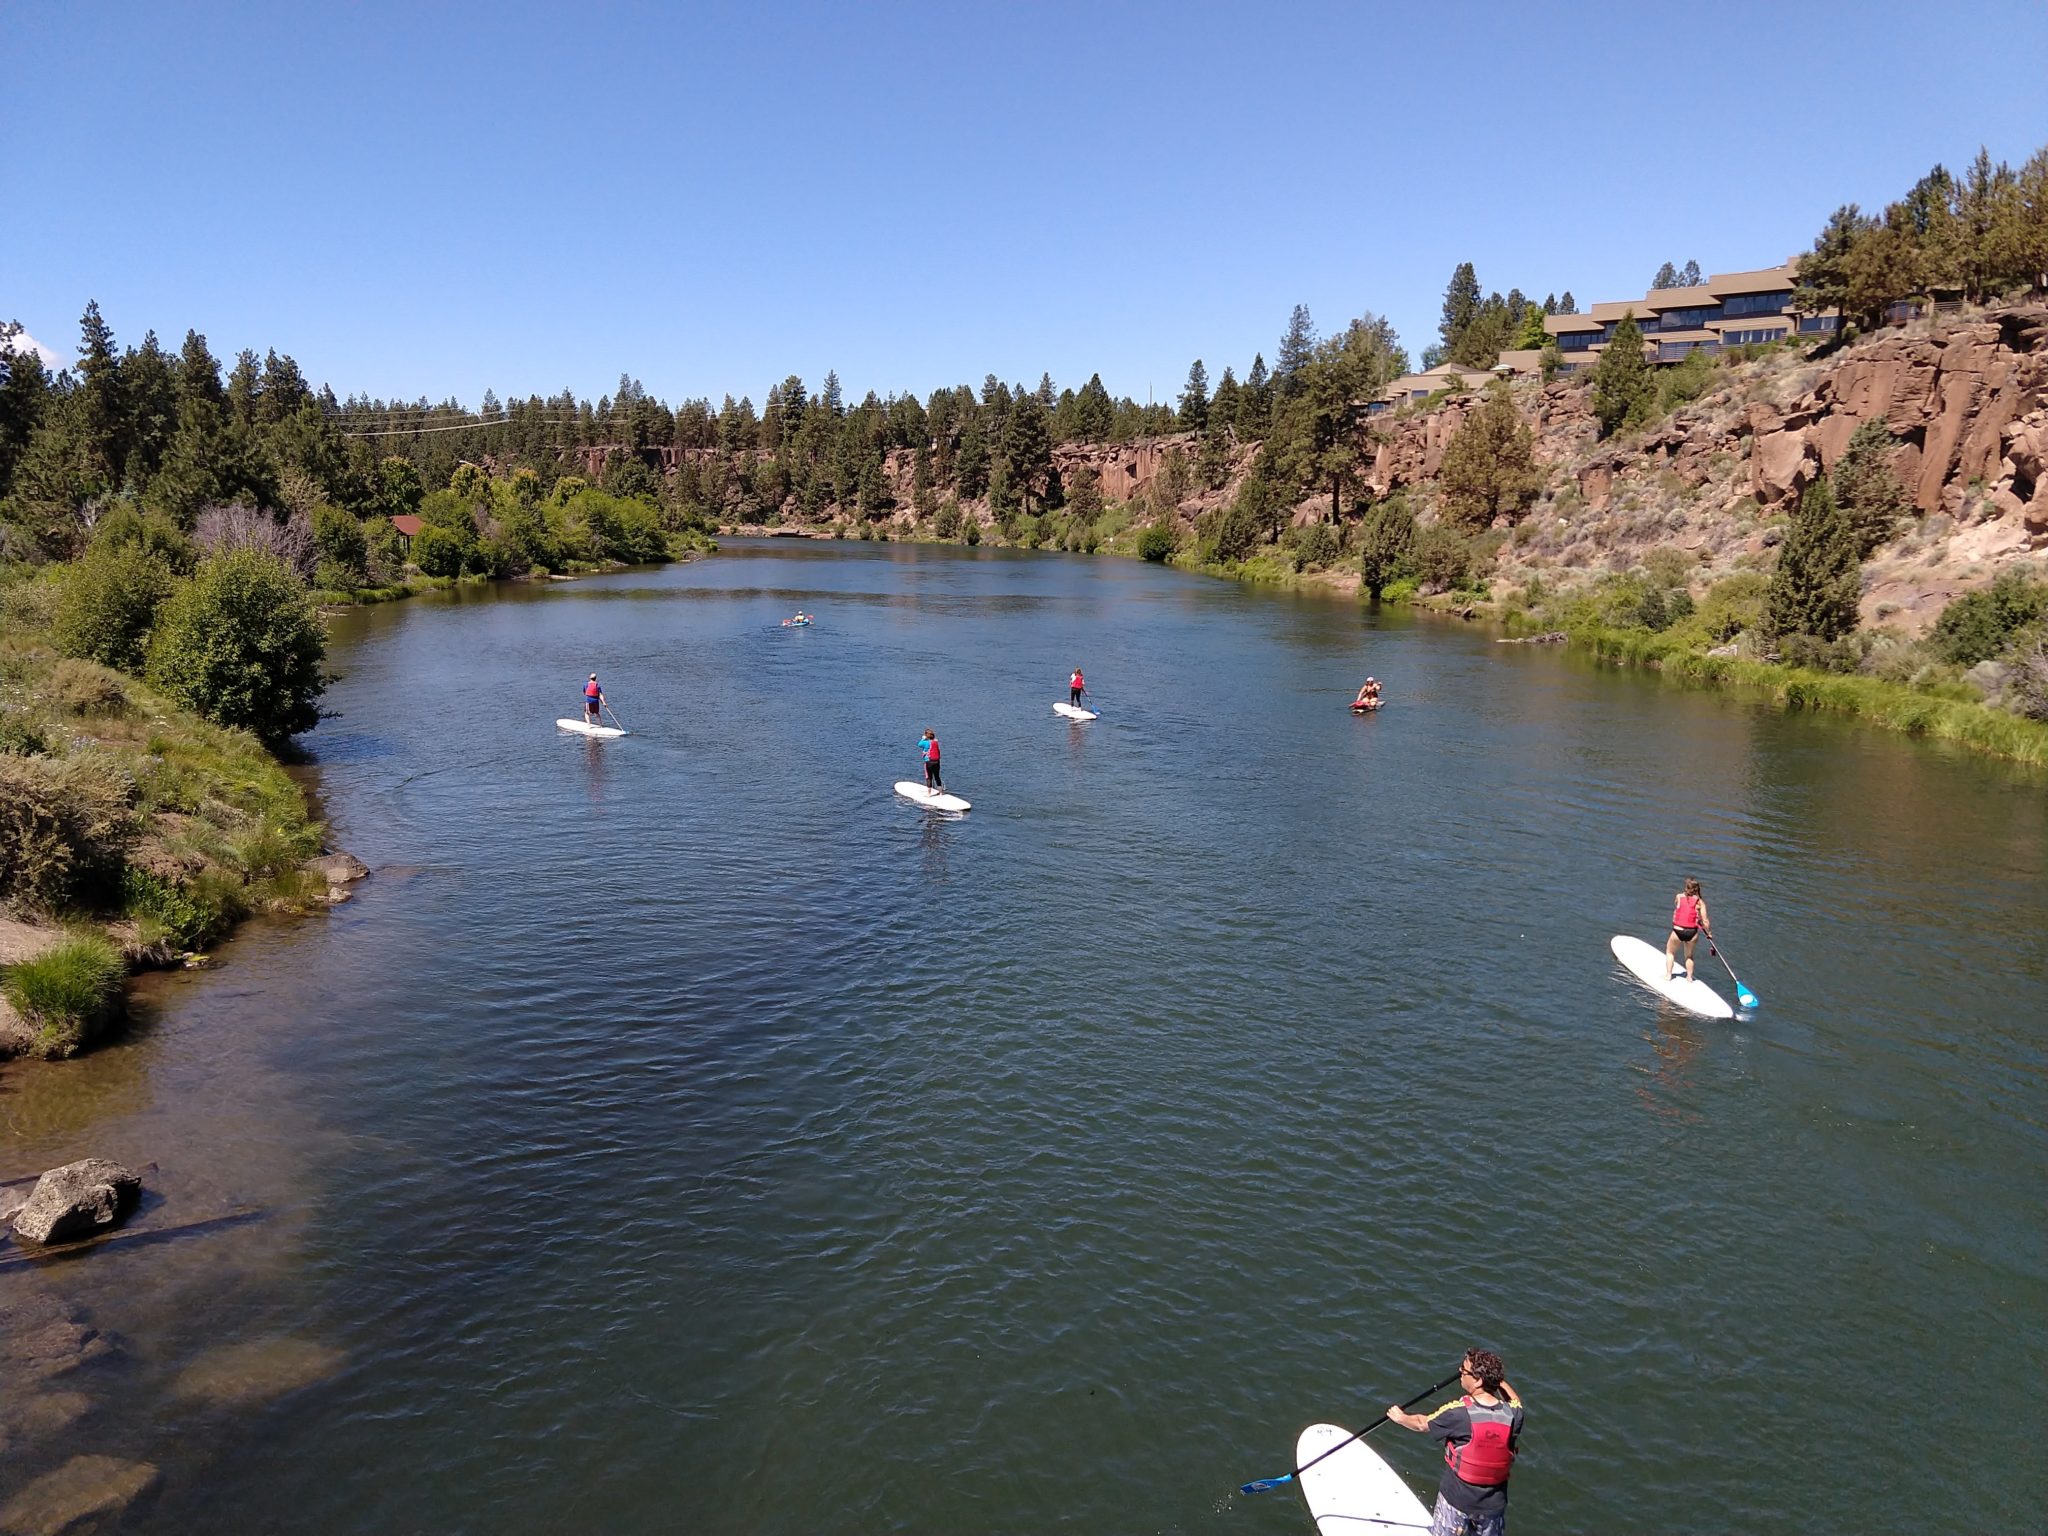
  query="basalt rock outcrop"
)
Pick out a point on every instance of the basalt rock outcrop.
point(77, 1200)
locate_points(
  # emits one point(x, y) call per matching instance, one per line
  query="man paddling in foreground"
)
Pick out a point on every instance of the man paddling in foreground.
point(593, 697)
point(1478, 1431)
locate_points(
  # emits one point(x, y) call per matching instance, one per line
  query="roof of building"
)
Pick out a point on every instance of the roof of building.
point(407, 524)
point(1762, 280)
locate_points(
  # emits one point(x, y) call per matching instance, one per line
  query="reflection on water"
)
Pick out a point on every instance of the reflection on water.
point(683, 1132)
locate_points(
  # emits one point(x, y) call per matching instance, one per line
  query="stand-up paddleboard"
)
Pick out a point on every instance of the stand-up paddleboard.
point(584, 728)
point(1353, 1492)
point(1648, 966)
point(1364, 709)
point(1076, 712)
point(938, 800)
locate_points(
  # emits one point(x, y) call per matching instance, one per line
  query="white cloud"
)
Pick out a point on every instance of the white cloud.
point(27, 343)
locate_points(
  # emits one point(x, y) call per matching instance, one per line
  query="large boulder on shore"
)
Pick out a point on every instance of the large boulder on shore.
point(77, 1200)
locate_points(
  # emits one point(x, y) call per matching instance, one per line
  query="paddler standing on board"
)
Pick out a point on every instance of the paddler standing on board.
point(1076, 686)
point(1478, 1431)
point(1688, 922)
point(593, 700)
point(928, 749)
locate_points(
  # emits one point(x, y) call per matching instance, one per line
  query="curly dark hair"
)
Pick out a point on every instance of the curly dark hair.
point(1487, 1366)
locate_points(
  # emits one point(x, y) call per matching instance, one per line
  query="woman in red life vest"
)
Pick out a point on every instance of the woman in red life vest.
point(1688, 922)
point(1075, 687)
point(593, 696)
point(928, 749)
point(1478, 1431)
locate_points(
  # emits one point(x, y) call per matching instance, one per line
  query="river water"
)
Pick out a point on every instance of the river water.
point(682, 1133)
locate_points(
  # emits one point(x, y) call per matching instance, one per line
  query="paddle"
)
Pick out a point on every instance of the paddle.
point(1268, 1484)
point(615, 719)
point(1742, 994)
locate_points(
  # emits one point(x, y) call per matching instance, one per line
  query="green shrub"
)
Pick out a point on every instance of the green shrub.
point(150, 532)
point(180, 916)
point(66, 825)
point(344, 548)
point(1441, 558)
point(1690, 378)
point(1155, 543)
point(1978, 625)
point(439, 552)
point(21, 734)
point(1733, 604)
point(1401, 590)
point(106, 603)
point(67, 993)
point(241, 644)
point(87, 688)
point(1314, 546)
point(1669, 567)
point(974, 531)
point(946, 521)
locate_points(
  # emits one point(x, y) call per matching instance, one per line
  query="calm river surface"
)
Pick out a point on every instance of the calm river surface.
point(683, 1133)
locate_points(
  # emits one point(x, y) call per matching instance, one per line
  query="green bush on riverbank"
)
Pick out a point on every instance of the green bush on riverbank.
point(67, 994)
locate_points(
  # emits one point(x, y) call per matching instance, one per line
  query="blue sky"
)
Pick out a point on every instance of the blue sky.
point(428, 199)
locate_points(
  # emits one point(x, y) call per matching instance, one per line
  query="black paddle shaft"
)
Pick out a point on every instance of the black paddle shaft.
point(1375, 1424)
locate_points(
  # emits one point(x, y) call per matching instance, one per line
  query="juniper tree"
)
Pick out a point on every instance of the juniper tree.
point(1624, 388)
point(1869, 493)
point(1384, 541)
point(1815, 587)
point(1489, 468)
point(1461, 307)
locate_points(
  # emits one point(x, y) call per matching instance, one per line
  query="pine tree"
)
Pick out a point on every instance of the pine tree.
point(1461, 307)
point(24, 394)
point(1624, 388)
point(1814, 589)
point(1255, 408)
point(1489, 468)
point(1667, 277)
point(1824, 270)
point(1095, 411)
point(1194, 398)
point(1384, 542)
point(1223, 408)
point(1691, 277)
point(1567, 305)
point(1297, 347)
point(1872, 499)
point(829, 396)
point(1027, 449)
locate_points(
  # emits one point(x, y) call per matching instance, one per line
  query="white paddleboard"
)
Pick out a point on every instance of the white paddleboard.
point(1648, 966)
point(1076, 712)
point(582, 728)
point(910, 789)
point(1353, 1492)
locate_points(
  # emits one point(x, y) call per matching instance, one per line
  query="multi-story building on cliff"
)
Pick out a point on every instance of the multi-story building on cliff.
point(1729, 309)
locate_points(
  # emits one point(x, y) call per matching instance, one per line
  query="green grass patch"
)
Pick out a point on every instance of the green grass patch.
point(68, 993)
point(1894, 706)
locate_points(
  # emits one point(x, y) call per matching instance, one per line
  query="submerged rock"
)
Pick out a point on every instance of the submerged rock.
point(85, 1488)
point(77, 1200)
point(257, 1370)
point(41, 1337)
point(30, 1416)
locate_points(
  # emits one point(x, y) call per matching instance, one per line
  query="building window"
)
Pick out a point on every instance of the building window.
point(1688, 319)
point(1576, 341)
point(1755, 304)
point(1902, 311)
point(1750, 338)
point(1811, 325)
point(1675, 351)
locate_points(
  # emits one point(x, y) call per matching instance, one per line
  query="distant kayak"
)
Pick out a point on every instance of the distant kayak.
point(583, 728)
point(1076, 712)
point(1648, 965)
point(938, 800)
point(1353, 1492)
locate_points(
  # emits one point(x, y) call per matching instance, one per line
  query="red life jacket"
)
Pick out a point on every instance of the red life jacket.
point(591, 690)
point(931, 750)
point(1687, 913)
point(1075, 681)
point(1484, 1460)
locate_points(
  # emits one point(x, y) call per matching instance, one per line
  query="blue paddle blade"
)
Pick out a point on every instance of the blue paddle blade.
point(1748, 998)
point(1264, 1484)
